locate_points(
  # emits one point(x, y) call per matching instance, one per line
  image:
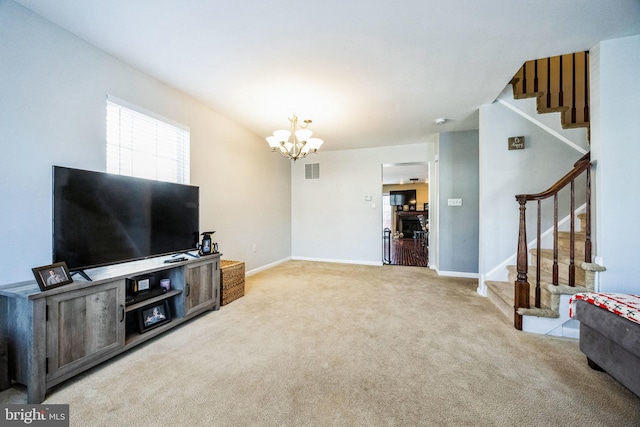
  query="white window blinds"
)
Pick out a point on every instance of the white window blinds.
point(144, 146)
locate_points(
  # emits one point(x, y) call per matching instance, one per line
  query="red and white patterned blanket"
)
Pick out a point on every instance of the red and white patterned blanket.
point(625, 305)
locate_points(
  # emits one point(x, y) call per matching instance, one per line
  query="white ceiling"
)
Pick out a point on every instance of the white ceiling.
point(405, 173)
point(368, 72)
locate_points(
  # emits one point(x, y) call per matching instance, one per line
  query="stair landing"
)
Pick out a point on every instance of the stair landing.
point(501, 294)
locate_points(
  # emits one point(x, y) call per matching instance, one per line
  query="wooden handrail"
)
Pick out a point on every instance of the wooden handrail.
point(522, 287)
point(578, 167)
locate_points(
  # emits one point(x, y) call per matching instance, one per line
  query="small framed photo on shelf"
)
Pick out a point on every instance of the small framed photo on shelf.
point(154, 315)
point(412, 207)
point(52, 276)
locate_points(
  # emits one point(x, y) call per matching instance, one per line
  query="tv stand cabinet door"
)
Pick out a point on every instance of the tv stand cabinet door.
point(82, 327)
point(200, 287)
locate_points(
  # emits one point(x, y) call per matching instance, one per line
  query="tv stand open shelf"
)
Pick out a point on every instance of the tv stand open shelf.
point(91, 318)
point(167, 295)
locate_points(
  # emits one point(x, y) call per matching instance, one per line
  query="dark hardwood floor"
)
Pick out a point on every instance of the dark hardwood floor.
point(409, 252)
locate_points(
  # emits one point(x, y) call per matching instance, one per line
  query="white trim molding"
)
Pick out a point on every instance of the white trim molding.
point(457, 274)
point(265, 267)
point(338, 261)
point(543, 126)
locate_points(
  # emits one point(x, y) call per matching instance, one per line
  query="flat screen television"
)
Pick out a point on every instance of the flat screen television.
point(402, 197)
point(101, 219)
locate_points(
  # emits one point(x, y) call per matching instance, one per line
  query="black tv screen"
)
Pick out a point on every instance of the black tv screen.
point(396, 198)
point(101, 219)
point(402, 197)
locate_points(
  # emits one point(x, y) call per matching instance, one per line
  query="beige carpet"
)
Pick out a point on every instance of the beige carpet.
point(318, 344)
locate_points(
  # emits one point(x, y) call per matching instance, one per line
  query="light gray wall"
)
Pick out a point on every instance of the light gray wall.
point(505, 173)
point(458, 226)
point(331, 220)
point(616, 151)
point(53, 88)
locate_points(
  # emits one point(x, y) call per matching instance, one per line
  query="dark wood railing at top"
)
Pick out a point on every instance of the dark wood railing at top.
point(522, 288)
point(560, 83)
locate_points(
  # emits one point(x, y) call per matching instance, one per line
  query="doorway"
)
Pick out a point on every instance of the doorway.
point(405, 214)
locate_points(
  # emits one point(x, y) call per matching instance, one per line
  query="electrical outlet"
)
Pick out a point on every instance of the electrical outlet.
point(454, 202)
point(254, 247)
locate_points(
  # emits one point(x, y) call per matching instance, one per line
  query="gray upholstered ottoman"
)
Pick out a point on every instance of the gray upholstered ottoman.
point(611, 343)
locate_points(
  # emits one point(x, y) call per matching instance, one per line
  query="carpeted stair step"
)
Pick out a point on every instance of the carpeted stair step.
point(545, 297)
point(550, 296)
point(539, 312)
point(564, 243)
point(547, 287)
point(554, 292)
point(546, 264)
point(501, 295)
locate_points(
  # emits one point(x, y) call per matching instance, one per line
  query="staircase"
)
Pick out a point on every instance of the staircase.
point(550, 276)
point(552, 315)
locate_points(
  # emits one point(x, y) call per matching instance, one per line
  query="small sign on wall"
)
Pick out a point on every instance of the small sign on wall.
point(516, 143)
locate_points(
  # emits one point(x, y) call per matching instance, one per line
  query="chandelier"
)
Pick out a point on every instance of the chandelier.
point(300, 144)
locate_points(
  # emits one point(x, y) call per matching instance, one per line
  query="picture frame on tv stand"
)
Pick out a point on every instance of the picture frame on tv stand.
point(51, 276)
point(154, 315)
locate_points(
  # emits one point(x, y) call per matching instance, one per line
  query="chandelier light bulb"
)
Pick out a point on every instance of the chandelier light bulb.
point(314, 144)
point(273, 142)
point(301, 143)
point(282, 135)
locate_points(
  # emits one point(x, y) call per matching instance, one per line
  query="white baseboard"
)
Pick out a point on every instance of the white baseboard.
point(342, 261)
point(457, 274)
point(339, 261)
point(265, 267)
point(482, 286)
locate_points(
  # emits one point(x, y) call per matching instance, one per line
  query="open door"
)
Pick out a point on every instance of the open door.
point(405, 213)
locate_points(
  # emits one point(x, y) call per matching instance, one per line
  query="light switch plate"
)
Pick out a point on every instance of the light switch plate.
point(454, 202)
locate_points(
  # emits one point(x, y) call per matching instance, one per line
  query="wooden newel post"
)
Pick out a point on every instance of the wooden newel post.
point(521, 294)
point(587, 231)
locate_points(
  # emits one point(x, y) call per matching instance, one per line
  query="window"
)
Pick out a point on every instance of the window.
point(144, 146)
point(387, 212)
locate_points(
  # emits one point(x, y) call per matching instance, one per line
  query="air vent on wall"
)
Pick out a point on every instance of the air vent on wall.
point(312, 171)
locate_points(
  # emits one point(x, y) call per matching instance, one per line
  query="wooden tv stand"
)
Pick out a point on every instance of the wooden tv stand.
point(57, 334)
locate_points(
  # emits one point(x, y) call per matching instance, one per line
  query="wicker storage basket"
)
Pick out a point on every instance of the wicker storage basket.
point(231, 280)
